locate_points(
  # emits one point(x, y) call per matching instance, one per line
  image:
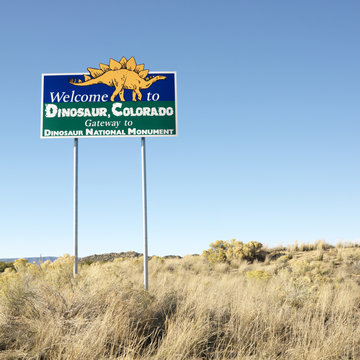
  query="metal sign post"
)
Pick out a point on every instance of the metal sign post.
point(76, 205)
point(144, 203)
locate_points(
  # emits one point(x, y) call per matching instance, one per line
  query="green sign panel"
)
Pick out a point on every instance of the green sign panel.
point(118, 100)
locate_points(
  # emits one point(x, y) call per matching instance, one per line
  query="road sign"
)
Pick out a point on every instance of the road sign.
point(109, 103)
point(117, 100)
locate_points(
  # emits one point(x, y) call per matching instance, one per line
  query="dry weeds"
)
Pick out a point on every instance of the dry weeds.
point(295, 305)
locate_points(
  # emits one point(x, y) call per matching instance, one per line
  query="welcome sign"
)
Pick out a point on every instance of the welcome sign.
point(117, 100)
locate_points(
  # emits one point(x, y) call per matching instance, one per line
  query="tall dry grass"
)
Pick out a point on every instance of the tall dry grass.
point(293, 307)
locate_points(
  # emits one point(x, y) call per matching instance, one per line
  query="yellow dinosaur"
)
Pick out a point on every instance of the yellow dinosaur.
point(123, 74)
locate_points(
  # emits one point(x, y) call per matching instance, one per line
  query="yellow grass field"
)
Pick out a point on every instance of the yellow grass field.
point(300, 303)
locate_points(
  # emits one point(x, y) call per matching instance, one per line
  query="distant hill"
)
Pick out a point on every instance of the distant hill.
point(92, 258)
point(32, 259)
point(111, 256)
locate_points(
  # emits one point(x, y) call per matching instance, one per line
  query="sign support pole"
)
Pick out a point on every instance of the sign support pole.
point(76, 145)
point(144, 203)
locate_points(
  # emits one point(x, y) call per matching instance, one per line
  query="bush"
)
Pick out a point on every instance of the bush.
point(6, 265)
point(284, 258)
point(258, 275)
point(222, 251)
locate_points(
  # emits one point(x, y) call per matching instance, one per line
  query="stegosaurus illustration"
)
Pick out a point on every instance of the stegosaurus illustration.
point(123, 74)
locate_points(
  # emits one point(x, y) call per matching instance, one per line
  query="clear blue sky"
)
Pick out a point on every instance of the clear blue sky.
point(268, 112)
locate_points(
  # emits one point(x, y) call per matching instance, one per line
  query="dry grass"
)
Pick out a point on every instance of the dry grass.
point(296, 305)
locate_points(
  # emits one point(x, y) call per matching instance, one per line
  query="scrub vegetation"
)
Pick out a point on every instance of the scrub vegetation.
point(235, 301)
